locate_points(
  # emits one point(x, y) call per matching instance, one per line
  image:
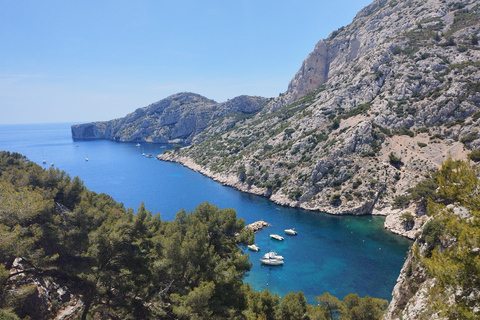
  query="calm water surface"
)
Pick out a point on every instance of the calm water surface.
point(340, 255)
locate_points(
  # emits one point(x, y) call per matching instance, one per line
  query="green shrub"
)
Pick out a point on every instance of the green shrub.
point(394, 160)
point(335, 199)
point(400, 201)
point(475, 156)
point(408, 220)
point(469, 137)
point(421, 144)
point(356, 183)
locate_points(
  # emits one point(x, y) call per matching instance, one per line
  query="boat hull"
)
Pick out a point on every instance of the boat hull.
point(272, 262)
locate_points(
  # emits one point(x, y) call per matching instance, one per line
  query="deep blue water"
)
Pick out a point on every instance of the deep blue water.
point(338, 254)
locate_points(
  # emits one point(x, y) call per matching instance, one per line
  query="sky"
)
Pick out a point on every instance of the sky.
point(82, 61)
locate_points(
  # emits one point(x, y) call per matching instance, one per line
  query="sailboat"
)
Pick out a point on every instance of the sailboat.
point(271, 258)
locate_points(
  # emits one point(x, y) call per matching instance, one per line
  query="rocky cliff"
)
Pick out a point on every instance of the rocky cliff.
point(374, 109)
point(178, 118)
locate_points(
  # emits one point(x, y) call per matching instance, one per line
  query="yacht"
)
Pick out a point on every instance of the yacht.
point(291, 232)
point(271, 261)
point(276, 237)
point(253, 247)
point(272, 255)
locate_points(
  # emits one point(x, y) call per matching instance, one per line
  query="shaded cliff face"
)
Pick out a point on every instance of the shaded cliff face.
point(372, 110)
point(178, 118)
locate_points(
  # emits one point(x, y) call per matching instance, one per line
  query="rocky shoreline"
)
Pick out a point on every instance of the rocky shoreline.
point(393, 221)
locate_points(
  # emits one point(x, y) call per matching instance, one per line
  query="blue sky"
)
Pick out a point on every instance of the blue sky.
point(81, 61)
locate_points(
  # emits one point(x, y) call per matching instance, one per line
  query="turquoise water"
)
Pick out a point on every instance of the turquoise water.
point(338, 254)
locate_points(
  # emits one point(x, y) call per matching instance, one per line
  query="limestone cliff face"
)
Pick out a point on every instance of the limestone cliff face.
point(178, 118)
point(373, 109)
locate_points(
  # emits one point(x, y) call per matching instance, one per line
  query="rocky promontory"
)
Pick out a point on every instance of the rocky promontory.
point(176, 119)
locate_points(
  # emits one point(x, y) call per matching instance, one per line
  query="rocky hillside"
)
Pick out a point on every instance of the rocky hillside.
point(375, 108)
point(178, 118)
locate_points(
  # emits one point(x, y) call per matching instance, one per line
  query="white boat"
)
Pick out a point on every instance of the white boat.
point(291, 232)
point(276, 237)
point(272, 255)
point(86, 159)
point(150, 155)
point(253, 247)
point(137, 145)
point(271, 261)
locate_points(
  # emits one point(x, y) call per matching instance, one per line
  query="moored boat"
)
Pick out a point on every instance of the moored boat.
point(272, 255)
point(291, 232)
point(271, 261)
point(253, 247)
point(276, 237)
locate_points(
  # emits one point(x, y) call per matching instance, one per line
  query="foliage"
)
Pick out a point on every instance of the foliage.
point(474, 156)
point(356, 183)
point(114, 258)
point(408, 220)
point(395, 160)
point(335, 199)
point(401, 201)
point(352, 307)
point(452, 241)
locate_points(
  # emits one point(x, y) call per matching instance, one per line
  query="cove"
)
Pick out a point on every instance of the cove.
point(338, 254)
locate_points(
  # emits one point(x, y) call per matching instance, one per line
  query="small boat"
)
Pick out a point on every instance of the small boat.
point(276, 237)
point(272, 255)
point(86, 159)
point(51, 164)
point(291, 232)
point(44, 161)
point(150, 155)
point(271, 261)
point(253, 247)
point(137, 145)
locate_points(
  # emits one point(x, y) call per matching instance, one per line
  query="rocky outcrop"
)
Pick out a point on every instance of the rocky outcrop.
point(43, 297)
point(373, 109)
point(178, 118)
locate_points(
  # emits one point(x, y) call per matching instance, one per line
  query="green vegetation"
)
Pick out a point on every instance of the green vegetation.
point(424, 191)
point(128, 265)
point(408, 220)
point(452, 242)
point(395, 160)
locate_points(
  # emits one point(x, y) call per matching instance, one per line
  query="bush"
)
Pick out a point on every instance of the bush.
point(394, 160)
point(356, 183)
point(475, 156)
point(408, 220)
point(401, 201)
point(469, 137)
point(421, 144)
point(335, 199)
point(432, 232)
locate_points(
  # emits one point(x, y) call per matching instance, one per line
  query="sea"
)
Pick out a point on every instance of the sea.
point(335, 254)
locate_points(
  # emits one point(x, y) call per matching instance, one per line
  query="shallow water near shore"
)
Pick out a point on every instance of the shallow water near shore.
point(338, 254)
